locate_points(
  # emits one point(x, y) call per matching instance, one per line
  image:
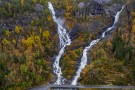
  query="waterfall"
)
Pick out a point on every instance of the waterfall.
point(64, 41)
point(86, 49)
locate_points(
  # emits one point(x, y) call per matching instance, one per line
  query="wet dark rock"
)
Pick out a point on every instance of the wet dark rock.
point(75, 31)
point(60, 13)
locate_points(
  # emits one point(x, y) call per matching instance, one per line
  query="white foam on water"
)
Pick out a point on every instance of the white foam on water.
point(64, 41)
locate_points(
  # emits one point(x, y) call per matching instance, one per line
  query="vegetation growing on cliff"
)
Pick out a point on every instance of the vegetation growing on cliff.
point(113, 63)
point(29, 44)
point(26, 50)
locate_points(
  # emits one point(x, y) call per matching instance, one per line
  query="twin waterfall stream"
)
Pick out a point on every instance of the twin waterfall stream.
point(65, 41)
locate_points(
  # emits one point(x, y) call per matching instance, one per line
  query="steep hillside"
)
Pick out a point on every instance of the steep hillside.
point(29, 42)
point(113, 58)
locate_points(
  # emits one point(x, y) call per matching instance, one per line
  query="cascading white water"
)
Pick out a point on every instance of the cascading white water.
point(64, 41)
point(84, 56)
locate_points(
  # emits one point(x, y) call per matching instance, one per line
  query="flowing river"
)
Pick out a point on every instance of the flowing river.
point(86, 49)
point(64, 41)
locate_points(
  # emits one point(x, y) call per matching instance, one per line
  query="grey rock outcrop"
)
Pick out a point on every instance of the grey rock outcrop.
point(89, 8)
point(103, 1)
point(113, 9)
point(39, 7)
point(81, 5)
point(23, 21)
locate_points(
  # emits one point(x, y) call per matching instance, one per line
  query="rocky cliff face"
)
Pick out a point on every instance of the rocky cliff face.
point(103, 1)
point(97, 7)
point(113, 9)
point(91, 17)
point(89, 8)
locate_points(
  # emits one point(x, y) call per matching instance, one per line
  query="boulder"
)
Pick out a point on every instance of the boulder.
point(39, 7)
point(81, 5)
